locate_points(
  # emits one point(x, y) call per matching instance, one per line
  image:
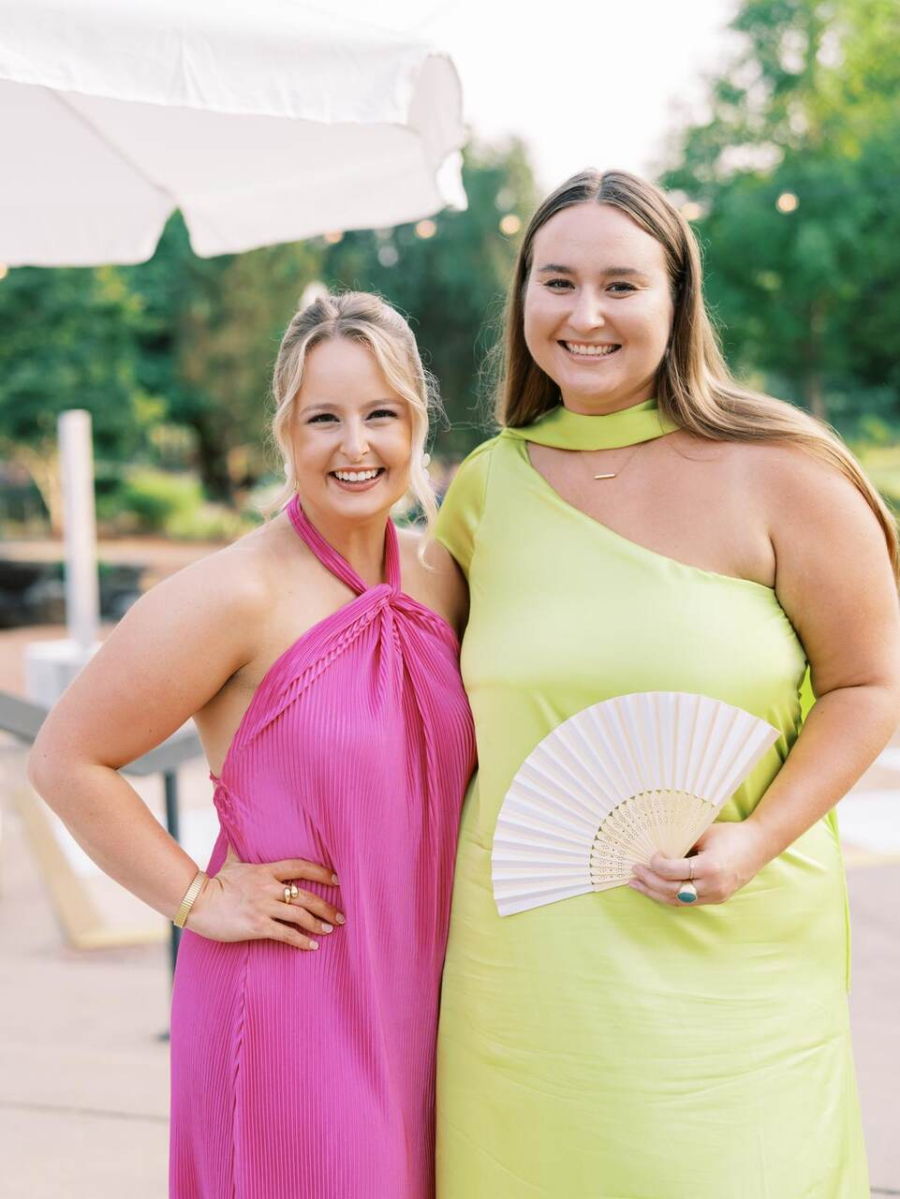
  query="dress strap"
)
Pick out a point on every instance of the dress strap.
point(333, 561)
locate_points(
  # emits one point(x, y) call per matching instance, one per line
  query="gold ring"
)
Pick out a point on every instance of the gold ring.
point(294, 891)
point(691, 863)
point(287, 895)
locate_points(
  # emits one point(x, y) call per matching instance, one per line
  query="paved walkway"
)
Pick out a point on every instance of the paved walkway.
point(83, 1073)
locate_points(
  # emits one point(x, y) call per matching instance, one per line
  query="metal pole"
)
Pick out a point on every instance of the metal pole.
point(170, 781)
point(82, 589)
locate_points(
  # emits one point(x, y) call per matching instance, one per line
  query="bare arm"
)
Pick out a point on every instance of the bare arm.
point(169, 655)
point(437, 581)
point(835, 583)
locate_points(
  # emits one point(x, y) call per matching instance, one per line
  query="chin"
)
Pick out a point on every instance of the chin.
point(365, 506)
point(577, 390)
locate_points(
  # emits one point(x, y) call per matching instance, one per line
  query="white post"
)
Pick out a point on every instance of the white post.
point(51, 665)
point(79, 528)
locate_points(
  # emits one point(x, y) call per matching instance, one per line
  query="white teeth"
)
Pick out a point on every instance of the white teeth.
point(589, 351)
point(355, 476)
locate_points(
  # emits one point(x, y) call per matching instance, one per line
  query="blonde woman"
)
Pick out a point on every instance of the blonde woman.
point(642, 523)
point(318, 657)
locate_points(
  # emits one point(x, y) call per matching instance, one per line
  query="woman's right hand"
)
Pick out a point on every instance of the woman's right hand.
point(246, 903)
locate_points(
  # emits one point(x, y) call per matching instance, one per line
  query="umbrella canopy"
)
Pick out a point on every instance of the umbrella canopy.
point(263, 122)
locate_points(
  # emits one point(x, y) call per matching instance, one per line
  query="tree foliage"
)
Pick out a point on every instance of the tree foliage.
point(179, 350)
point(68, 341)
point(208, 340)
point(808, 295)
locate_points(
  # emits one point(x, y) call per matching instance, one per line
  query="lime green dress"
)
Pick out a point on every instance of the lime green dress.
point(607, 1046)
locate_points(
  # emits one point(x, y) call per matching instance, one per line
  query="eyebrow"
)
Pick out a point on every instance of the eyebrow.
point(557, 269)
point(328, 406)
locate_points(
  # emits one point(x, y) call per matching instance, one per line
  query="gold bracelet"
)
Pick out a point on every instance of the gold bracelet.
point(189, 896)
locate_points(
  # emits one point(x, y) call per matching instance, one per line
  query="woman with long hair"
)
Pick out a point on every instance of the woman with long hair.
point(644, 524)
point(318, 657)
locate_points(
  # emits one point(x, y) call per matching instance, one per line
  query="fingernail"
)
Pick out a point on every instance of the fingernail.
point(334, 879)
point(340, 918)
point(634, 886)
point(314, 944)
point(326, 928)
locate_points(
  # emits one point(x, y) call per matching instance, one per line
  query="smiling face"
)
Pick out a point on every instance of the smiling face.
point(597, 307)
point(351, 435)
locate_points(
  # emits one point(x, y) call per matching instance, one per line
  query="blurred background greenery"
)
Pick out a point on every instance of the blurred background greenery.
point(792, 182)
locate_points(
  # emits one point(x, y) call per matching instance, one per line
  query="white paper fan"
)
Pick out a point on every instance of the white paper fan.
point(614, 784)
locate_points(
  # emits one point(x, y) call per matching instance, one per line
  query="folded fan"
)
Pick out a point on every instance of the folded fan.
point(613, 785)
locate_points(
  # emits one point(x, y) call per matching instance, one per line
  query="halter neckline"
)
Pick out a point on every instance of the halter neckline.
point(335, 562)
point(567, 430)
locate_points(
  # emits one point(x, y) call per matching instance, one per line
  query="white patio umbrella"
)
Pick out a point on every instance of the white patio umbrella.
point(264, 121)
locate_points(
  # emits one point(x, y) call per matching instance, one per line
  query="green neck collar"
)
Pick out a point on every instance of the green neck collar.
point(567, 430)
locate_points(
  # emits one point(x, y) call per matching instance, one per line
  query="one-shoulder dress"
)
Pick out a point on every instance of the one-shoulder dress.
point(608, 1046)
point(310, 1074)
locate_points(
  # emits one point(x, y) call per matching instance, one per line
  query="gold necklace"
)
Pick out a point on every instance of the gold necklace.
point(615, 474)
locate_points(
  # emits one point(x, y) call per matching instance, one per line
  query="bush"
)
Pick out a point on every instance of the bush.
point(208, 522)
point(156, 498)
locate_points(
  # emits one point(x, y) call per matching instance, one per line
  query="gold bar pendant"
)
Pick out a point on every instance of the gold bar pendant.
point(604, 476)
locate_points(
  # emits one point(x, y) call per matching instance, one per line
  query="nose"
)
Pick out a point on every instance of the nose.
point(587, 312)
point(354, 443)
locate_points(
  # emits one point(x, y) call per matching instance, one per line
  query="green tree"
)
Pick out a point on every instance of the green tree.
point(68, 341)
point(805, 289)
point(208, 342)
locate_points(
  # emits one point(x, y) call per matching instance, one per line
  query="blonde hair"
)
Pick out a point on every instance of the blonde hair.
point(694, 386)
point(371, 322)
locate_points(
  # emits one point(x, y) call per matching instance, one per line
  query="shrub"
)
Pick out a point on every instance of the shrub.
point(156, 497)
point(208, 522)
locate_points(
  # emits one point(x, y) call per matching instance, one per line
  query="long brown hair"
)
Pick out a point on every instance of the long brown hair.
point(694, 386)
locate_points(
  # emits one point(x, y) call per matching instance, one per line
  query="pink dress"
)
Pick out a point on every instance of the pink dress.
point(310, 1075)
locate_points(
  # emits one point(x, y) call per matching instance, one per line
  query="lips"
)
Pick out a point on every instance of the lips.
point(357, 479)
point(590, 351)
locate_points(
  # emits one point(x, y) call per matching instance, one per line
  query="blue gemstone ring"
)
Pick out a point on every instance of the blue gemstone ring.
point(687, 893)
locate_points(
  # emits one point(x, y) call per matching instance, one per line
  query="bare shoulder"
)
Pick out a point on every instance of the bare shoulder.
point(803, 493)
point(230, 593)
point(834, 576)
point(830, 547)
point(237, 578)
point(787, 484)
point(433, 578)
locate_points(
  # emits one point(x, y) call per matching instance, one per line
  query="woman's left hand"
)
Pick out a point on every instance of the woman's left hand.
point(729, 855)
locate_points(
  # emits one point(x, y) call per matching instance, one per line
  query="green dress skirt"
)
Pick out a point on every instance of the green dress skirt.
point(607, 1046)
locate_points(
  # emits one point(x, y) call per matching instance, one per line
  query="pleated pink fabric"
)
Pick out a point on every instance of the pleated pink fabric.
point(310, 1075)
